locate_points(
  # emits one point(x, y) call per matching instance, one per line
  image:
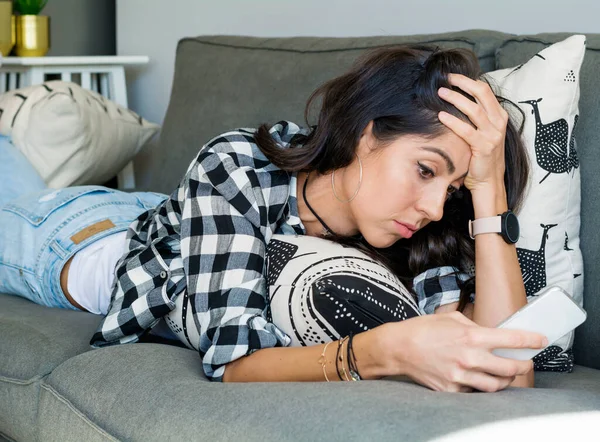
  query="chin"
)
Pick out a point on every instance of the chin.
point(381, 241)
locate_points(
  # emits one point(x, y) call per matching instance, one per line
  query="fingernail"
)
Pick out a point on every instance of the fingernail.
point(443, 91)
point(545, 342)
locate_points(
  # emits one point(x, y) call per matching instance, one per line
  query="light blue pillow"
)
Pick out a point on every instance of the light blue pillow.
point(17, 175)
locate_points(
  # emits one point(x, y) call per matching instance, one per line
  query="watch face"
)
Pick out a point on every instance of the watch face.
point(512, 227)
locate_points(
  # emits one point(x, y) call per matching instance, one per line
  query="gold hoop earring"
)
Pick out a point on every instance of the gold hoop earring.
point(360, 177)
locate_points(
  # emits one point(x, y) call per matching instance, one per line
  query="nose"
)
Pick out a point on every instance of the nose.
point(431, 204)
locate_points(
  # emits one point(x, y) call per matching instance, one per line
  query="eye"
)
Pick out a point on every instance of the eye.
point(425, 172)
point(450, 191)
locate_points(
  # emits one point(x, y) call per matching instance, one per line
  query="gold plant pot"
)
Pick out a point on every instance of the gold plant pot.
point(13, 28)
point(33, 35)
point(6, 35)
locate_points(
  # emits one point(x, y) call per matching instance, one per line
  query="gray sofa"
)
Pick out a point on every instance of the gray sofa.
point(54, 387)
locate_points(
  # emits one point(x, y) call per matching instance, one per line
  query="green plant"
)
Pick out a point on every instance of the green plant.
point(29, 7)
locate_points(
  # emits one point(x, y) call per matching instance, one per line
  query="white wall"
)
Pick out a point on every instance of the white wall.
point(153, 27)
point(81, 27)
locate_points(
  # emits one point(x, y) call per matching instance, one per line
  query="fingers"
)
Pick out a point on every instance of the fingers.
point(491, 338)
point(470, 134)
point(476, 113)
point(487, 362)
point(484, 95)
point(461, 358)
point(485, 382)
point(500, 338)
point(485, 372)
point(487, 131)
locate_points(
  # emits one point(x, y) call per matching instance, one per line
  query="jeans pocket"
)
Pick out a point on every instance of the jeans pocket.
point(35, 209)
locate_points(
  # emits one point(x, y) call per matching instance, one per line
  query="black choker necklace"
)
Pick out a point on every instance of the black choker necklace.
point(328, 231)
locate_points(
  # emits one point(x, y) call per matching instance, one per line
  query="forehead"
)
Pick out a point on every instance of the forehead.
point(448, 144)
point(451, 152)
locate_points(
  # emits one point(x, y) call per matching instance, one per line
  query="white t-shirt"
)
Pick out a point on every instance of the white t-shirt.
point(92, 273)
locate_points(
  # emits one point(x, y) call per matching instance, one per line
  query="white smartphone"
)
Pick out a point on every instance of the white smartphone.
point(553, 313)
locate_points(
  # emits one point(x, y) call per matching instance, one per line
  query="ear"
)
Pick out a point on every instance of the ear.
point(367, 141)
point(368, 130)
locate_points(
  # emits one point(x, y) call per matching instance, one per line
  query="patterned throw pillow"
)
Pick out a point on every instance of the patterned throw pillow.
point(71, 135)
point(319, 291)
point(546, 88)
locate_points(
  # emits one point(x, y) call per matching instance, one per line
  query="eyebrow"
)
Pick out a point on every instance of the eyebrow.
point(444, 155)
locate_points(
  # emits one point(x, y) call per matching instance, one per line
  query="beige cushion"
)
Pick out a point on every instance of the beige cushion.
point(72, 136)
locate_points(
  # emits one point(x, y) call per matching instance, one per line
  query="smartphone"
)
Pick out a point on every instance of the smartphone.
point(553, 313)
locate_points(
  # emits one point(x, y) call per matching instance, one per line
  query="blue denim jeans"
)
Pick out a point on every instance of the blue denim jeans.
point(41, 228)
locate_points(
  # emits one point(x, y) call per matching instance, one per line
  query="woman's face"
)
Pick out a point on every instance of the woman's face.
point(404, 182)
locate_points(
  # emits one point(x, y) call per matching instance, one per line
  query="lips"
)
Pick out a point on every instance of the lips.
point(405, 230)
point(409, 226)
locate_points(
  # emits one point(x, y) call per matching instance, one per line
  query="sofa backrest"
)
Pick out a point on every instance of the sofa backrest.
point(226, 82)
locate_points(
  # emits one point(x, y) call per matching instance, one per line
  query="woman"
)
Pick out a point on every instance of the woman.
point(407, 148)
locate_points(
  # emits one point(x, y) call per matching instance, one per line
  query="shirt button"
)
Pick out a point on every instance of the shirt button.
point(163, 274)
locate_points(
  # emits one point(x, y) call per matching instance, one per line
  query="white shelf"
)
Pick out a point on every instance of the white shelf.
point(110, 60)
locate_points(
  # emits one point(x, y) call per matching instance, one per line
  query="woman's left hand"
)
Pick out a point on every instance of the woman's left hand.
point(486, 169)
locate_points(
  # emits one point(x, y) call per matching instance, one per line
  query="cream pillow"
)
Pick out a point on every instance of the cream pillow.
point(72, 136)
point(546, 88)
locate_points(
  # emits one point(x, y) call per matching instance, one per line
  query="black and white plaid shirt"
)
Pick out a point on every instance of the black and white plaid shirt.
point(209, 238)
point(439, 286)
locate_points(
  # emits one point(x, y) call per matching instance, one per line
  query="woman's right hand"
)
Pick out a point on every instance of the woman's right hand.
point(449, 352)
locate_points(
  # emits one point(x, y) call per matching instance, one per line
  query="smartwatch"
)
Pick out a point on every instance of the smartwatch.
point(505, 224)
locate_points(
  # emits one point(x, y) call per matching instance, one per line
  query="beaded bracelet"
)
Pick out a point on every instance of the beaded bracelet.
point(337, 355)
point(353, 368)
point(339, 359)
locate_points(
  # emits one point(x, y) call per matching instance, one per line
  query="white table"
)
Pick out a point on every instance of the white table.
point(102, 74)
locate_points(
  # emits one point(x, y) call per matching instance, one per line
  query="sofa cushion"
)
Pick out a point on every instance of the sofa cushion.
point(45, 337)
point(35, 340)
point(224, 82)
point(158, 392)
point(518, 50)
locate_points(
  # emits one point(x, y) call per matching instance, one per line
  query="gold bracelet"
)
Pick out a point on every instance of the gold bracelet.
point(323, 361)
point(342, 359)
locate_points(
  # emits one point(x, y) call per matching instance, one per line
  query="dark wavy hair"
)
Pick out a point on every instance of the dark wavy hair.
point(396, 88)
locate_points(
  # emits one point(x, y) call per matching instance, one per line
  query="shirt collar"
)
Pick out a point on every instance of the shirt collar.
point(293, 216)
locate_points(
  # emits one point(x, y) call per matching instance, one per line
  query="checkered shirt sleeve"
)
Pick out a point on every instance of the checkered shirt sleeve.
point(228, 219)
point(208, 238)
point(439, 286)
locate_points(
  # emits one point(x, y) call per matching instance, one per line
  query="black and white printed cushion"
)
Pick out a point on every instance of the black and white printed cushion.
point(72, 136)
point(319, 291)
point(546, 88)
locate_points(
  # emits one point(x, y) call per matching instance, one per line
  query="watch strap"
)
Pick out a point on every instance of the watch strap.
point(491, 224)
